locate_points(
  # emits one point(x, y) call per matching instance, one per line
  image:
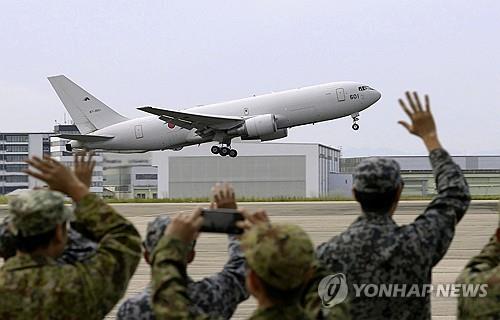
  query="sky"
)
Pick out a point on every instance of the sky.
point(178, 54)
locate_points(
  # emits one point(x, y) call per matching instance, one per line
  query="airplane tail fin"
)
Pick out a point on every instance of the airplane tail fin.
point(88, 112)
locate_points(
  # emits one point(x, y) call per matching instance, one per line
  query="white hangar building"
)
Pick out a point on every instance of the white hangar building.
point(263, 170)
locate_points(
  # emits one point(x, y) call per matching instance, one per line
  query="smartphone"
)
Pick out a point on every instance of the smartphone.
point(221, 221)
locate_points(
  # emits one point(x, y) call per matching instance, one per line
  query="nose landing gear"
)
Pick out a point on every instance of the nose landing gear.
point(355, 118)
point(224, 151)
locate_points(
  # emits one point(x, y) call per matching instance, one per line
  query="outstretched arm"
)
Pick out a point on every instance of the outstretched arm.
point(119, 249)
point(435, 228)
point(220, 294)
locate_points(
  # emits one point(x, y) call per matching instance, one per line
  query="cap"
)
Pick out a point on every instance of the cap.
point(37, 211)
point(155, 231)
point(280, 254)
point(377, 175)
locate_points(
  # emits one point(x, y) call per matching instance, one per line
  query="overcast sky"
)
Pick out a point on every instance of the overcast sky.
point(177, 54)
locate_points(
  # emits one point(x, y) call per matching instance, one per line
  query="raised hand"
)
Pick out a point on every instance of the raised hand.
point(223, 196)
point(57, 176)
point(252, 219)
point(185, 227)
point(422, 121)
point(84, 168)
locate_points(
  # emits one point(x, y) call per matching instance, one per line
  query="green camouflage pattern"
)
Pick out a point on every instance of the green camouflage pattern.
point(169, 281)
point(37, 211)
point(36, 287)
point(282, 312)
point(170, 294)
point(376, 175)
point(312, 303)
point(281, 254)
point(482, 269)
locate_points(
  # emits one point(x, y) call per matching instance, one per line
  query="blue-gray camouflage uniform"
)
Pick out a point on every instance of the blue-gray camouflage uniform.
point(78, 247)
point(217, 295)
point(375, 250)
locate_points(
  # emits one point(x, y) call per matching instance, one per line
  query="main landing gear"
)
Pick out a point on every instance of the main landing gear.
point(224, 151)
point(355, 118)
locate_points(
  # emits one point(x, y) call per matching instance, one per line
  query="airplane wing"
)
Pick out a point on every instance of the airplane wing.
point(84, 137)
point(202, 122)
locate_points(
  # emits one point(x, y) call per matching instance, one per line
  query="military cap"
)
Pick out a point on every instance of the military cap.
point(377, 175)
point(280, 254)
point(154, 232)
point(37, 211)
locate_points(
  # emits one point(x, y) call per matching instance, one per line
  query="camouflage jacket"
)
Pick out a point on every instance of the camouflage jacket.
point(217, 295)
point(78, 247)
point(375, 250)
point(37, 287)
point(171, 298)
point(312, 304)
point(482, 269)
point(289, 312)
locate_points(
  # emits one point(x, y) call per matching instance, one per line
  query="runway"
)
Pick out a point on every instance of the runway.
point(321, 220)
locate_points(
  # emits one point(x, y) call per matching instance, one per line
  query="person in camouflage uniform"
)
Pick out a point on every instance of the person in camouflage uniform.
point(78, 247)
point(281, 272)
point(483, 269)
point(32, 284)
point(217, 295)
point(375, 250)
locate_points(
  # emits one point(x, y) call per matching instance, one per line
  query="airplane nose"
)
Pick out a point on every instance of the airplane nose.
point(376, 96)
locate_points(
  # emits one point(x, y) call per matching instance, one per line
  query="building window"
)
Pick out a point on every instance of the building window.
point(17, 138)
point(15, 158)
point(15, 178)
point(15, 167)
point(16, 148)
point(146, 176)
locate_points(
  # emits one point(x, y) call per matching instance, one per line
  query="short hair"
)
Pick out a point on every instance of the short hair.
point(376, 202)
point(31, 243)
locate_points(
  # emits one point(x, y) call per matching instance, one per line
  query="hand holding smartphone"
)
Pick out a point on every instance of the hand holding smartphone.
point(221, 221)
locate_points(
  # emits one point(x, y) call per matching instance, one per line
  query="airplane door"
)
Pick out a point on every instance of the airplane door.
point(138, 132)
point(340, 94)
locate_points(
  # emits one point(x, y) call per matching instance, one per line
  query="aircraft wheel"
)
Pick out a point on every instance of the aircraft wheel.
point(215, 150)
point(224, 151)
point(355, 126)
point(233, 153)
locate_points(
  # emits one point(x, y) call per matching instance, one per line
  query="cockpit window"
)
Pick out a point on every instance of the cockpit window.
point(363, 88)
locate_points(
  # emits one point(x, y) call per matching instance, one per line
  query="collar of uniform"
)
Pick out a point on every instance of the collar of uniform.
point(27, 261)
point(377, 217)
point(288, 311)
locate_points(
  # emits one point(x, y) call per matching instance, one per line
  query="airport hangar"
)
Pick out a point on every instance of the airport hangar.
point(261, 170)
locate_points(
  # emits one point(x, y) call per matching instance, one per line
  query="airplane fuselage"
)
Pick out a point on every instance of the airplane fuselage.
point(291, 108)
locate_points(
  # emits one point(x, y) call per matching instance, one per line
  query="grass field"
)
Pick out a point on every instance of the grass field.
point(3, 199)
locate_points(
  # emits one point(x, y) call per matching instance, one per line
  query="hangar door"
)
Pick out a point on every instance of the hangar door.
point(262, 176)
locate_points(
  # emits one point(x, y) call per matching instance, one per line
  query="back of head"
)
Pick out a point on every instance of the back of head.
point(282, 256)
point(155, 231)
point(376, 184)
point(34, 215)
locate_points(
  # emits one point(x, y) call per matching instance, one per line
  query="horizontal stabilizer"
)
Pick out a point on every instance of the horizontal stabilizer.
point(84, 137)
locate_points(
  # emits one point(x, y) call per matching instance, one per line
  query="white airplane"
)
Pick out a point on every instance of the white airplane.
point(265, 117)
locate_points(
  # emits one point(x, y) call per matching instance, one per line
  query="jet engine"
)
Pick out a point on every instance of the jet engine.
point(281, 133)
point(257, 127)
